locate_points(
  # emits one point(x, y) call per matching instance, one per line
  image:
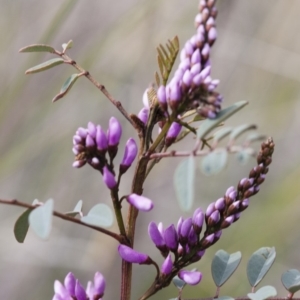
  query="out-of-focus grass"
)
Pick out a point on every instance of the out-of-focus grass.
point(257, 59)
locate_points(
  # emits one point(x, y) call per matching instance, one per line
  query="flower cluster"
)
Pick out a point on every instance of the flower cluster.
point(73, 290)
point(91, 145)
point(184, 240)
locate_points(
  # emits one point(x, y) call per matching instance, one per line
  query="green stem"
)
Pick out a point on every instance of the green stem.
point(118, 212)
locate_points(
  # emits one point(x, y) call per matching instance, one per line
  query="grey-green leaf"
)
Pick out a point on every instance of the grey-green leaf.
point(214, 162)
point(220, 134)
point(77, 210)
point(99, 215)
point(45, 66)
point(66, 87)
point(224, 265)
point(259, 264)
point(40, 219)
point(291, 280)
point(255, 136)
point(263, 293)
point(240, 130)
point(208, 125)
point(184, 183)
point(37, 48)
point(21, 226)
point(244, 155)
point(180, 284)
point(67, 45)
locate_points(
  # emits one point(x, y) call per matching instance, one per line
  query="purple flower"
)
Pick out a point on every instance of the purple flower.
point(99, 284)
point(109, 178)
point(167, 265)
point(214, 218)
point(70, 282)
point(171, 238)
point(184, 230)
point(156, 236)
point(143, 115)
point(130, 153)
point(140, 202)
point(198, 219)
point(172, 133)
point(132, 256)
point(92, 129)
point(162, 97)
point(190, 277)
point(79, 291)
point(114, 132)
point(101, 139)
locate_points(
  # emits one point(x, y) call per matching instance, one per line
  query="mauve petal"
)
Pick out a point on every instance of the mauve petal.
point(99, 284)
point(171, 238)
point(60, 289)
point(109, 178)
point(155, 235)
point(90, 290)
point(167, 265)
point(130, 152)
point(79, 291)
point(140, 202)
point(114, 132)
point(69, 283)
point(132, 256)
point(190, 277)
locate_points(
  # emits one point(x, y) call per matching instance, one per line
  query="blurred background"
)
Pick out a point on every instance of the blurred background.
point(256, 57)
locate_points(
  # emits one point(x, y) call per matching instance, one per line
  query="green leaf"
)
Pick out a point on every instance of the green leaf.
point(263, 293)
point(291, 280)
point(180, 284)
point(66, 87)
point(220, 134)
point(40, 219)
point(67, 45)
point(240, 130)
point(184, 183)
point(208, 125)
point(77, 210)
point(21, 226)
point(214, 162)
point(224, 265)
point(38, 48)
point(244, 155)
point(259, 264)
point(45, 66)
point(99, 215)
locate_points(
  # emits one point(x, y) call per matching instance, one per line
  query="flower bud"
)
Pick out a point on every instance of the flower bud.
point(79, 163)
point(70, 282)
point(198, 219)
point(99, 285)
point(172, 133)
point(129, 155)
point(79, 291)
point(109, 178)
point(146, 99)
point(214, 218)
point(114, 132)
point(140, 202)
point(101, 139)
point(92, 129)
point(143, 115)
point(184, 231)
point(132, 256)
point(167, 265)
point(156, 236)
point(171, 238)
point(162, 98)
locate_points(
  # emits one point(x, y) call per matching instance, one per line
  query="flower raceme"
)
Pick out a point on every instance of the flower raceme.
point(186, 243)
point(93, 146)
point(72, 288)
